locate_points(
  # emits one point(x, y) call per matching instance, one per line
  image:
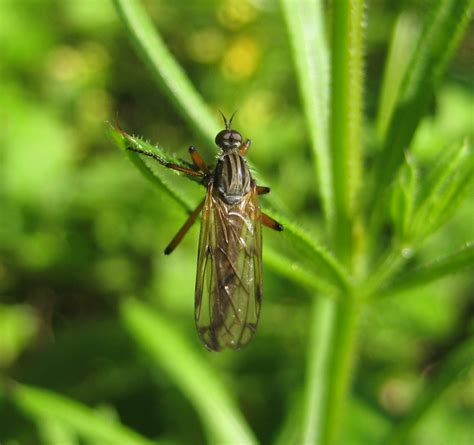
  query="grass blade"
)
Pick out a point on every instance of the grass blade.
point(444, 25)
point(346, 119)
point(449, 372)
point(167, 349)
point(435, 270)
point(165, 69)
point(304, 19)
point(41, 403)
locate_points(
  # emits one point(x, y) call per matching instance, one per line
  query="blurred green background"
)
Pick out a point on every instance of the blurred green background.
point(80, 228)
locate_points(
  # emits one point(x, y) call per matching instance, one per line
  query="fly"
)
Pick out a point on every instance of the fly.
point(228, 293)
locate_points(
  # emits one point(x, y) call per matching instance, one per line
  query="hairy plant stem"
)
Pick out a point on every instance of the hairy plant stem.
point(342, 345)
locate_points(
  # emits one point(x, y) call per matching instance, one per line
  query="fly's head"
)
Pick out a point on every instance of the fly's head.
point(228, 139)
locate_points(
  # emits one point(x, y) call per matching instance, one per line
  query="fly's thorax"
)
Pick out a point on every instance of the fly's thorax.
point(232, 177)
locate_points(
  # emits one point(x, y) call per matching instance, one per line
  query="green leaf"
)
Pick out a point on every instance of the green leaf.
point(346, 120)
point(53, 433)
point(169, 350)
point(458, 363)
point(150, 168)
point(305, 24)
point(435, 270)
point(326, 266)
point(41, 403)
point(296, 272)
point(405, 32)
point(403, 199)
point(169, 75)
point(448, 183)
point(445, 22)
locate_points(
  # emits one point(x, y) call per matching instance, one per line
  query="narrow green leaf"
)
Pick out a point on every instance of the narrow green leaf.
point(305, 23)
point(458, 363)
point(165, 69)
point(296, 272)
point(150, 168)
point(168, 349)
point(448, 183)
point(403, 199)
point(327, 266)
point(53, 433)
point(445, 22)
point(435, 270)
point(405, 32)
point(346, 119)
point(41, 403)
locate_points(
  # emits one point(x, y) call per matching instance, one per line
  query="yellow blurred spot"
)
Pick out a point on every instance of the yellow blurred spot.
point(95, 105)
point(65, 63)
point(259, 108)
point(233, 14)
point(241, 59)
point(206, 45)
point(95, 55)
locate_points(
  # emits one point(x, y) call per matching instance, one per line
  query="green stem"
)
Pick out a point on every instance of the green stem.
point(341, 349)
point(315, 395)
point(346, 119)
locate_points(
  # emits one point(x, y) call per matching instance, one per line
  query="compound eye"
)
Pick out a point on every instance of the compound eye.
point(222, 137)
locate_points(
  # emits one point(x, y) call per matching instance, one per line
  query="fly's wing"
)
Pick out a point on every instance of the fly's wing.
point(229, 275)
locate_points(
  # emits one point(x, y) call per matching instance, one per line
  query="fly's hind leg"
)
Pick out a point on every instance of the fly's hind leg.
point(186, 226)
point(270, 222)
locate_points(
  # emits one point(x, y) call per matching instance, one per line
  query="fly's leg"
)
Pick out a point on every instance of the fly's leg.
point(167, 164)
point(270, 222)
point(198, 160)
point(186, 226)
point(244, 147)
point(262, 190)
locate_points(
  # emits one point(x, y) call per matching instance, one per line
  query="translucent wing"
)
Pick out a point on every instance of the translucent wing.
point(229, 275)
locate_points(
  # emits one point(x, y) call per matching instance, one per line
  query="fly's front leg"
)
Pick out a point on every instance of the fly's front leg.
point(244, 147)
point(262, 190)
point(165, 163)
point(270, 222)
point(198, 160)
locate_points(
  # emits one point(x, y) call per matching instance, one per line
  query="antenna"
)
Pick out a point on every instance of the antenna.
point(227, 124)
point(232, 117)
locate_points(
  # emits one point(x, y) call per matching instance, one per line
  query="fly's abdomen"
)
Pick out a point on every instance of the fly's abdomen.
point(232, 178)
